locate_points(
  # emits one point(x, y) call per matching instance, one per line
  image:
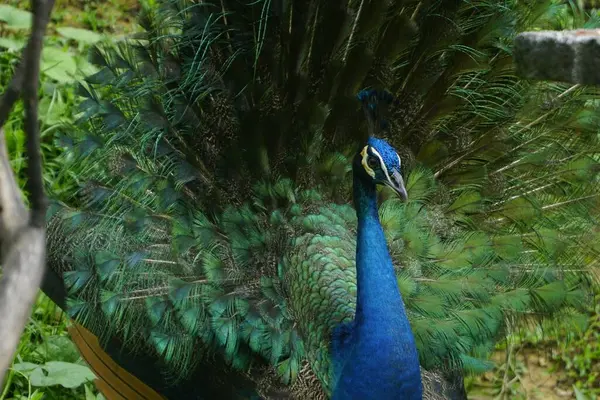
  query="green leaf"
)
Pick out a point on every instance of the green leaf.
point(15, 18)
point(25, 367)
point(54, 373)
point(579, 395)
point(68, 375)
point(37, 395)
point(53, 109)
point(58, 65)
point(11, 44)
point(85, 67)
point(58, 348)
point(89, 395)
point(79, 35)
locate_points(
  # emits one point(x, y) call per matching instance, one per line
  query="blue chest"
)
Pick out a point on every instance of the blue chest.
point(376, 365)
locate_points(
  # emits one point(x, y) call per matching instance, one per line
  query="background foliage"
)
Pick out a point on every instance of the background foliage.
point(47, 364)
point(550, 363)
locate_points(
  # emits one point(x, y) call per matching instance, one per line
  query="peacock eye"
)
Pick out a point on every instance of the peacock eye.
point(373, 163)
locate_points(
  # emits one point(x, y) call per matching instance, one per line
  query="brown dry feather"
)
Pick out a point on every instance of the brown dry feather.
point(114, 382)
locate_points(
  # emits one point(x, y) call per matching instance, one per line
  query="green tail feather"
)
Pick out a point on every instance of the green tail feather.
point(214, 218)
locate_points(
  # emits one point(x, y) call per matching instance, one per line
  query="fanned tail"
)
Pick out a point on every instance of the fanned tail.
point(213, 226)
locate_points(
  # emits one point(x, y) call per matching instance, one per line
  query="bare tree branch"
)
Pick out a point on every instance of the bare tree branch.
point(35, 181)
point(22, 233)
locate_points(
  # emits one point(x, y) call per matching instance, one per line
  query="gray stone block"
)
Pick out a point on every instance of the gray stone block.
point(568, 56)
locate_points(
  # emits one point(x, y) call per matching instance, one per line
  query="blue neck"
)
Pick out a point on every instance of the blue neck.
point(378, 296)
point(383, 362)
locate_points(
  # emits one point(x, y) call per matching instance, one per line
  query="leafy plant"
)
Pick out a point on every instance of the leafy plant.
point(579, 356)
point(52, 373)
point(15, 18)
point(48, 364)
point(555, 361)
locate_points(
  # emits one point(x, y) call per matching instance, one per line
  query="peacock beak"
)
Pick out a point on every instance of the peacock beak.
point(397, 184)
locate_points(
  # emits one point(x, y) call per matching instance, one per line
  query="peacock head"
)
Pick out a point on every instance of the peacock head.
point(380, 163)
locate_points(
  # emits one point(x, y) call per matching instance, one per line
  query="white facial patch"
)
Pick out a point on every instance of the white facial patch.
point(365, 155)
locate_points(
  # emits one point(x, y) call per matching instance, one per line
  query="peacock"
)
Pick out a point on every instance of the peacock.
point(320, 199)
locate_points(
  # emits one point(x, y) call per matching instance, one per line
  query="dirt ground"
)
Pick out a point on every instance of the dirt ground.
point(535, 379)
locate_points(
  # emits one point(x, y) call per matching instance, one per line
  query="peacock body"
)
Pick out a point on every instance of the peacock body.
point(228, 241)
